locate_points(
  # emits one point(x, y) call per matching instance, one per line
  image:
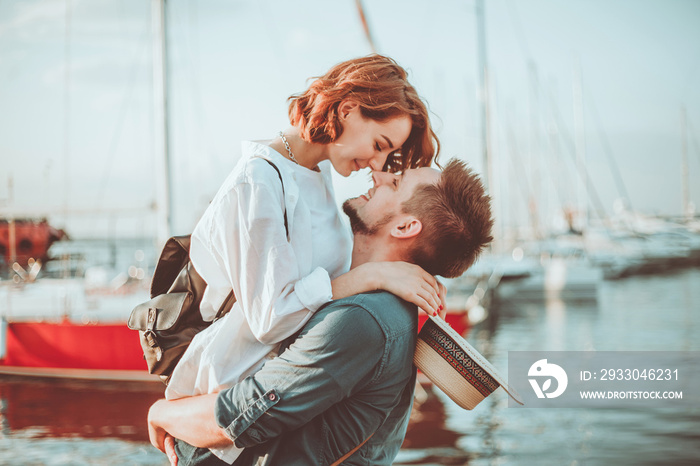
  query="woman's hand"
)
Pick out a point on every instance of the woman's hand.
point(411, 283)
point(407, 281)
point(443, 299)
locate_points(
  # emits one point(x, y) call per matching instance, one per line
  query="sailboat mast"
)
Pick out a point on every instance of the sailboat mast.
point(535, 195)
point(365, 26)
point(67, 114)
point(684, 166)
point(483, 81)
point(489, 180)
point(163, 204)
point(580, 146)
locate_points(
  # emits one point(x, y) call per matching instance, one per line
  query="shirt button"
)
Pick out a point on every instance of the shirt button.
point(271, 397)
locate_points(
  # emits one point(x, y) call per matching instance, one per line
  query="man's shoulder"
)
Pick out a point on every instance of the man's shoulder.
point(373, 299)
point(390, 313)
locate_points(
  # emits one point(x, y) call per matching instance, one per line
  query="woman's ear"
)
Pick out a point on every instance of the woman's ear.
point(346, 107)
point(409, 227)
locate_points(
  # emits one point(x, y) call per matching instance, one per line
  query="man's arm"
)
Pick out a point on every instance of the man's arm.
point(337, 353)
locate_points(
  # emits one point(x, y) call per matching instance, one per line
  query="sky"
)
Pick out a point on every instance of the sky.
point(604, 81)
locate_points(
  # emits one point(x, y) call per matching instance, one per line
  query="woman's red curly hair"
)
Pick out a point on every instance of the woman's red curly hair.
point(379, 85)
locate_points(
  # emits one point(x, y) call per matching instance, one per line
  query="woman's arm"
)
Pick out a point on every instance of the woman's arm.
point(249, 242)
point(407, 281)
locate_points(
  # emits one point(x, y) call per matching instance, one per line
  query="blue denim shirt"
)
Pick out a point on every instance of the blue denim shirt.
point(348, 374)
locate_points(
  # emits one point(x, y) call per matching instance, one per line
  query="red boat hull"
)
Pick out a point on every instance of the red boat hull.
point(73, 346)
point(459, 321)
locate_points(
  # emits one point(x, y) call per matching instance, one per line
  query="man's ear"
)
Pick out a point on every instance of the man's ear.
point(346, 107)
point(408, 227)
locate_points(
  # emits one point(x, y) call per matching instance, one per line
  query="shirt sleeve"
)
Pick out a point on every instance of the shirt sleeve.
point(249, 241)
point(336, 354)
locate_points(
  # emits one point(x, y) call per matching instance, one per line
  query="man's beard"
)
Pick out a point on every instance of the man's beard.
point(359, 227)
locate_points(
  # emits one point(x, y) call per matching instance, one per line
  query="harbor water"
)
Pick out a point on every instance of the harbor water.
point(67, 422)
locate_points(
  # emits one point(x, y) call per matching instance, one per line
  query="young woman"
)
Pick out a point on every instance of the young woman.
point(274, 235)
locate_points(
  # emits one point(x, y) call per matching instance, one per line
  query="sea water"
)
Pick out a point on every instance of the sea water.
point(650, 313)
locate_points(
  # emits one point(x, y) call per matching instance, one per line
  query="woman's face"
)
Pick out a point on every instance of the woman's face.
point(366, 142)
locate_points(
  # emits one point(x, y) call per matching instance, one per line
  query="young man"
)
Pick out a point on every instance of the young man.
point(348, 377)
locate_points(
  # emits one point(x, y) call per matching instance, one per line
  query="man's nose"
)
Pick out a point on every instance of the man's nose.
point(379, 177)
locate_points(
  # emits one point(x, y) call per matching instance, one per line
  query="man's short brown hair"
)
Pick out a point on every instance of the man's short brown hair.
point(456, 217)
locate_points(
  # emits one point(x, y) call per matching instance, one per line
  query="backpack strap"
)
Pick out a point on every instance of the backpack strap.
point(350, 453)
point(286, 226)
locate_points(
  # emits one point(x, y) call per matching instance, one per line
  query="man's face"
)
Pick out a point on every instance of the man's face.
point(370, 212)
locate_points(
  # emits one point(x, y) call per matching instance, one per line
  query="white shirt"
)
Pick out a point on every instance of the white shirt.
point(240, 242)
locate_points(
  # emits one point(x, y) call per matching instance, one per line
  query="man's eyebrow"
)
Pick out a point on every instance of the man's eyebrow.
point(388, 141)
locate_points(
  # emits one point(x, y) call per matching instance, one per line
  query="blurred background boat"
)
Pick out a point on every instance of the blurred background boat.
point(23, 239)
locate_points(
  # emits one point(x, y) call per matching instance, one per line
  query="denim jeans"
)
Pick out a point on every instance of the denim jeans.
point(187, 455)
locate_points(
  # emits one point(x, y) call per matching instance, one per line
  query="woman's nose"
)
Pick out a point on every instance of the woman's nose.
point(376, 163)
